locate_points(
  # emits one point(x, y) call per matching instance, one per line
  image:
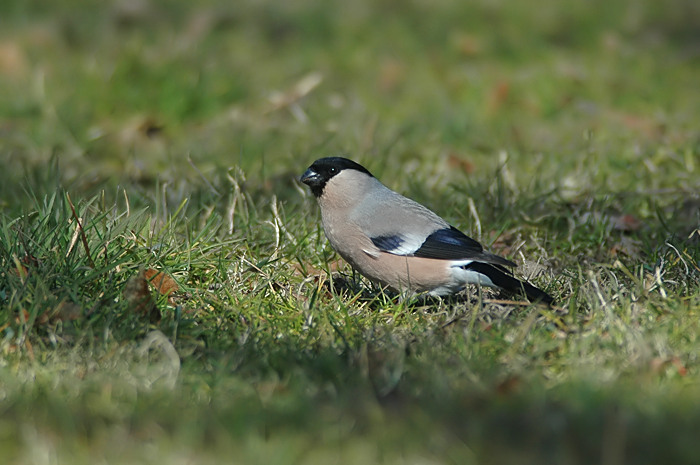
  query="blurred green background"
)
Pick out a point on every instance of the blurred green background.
point(586, 94)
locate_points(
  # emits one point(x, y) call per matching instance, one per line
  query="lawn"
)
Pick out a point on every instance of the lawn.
point(167, 294)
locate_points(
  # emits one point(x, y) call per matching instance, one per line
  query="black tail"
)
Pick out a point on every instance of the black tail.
point(502, 278)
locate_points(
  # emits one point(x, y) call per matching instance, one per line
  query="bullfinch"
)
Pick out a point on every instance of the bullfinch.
point(397, 242)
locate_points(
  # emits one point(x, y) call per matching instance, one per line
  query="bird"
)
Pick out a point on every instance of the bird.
point(398, 243)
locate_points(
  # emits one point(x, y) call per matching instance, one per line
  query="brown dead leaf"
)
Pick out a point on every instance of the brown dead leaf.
point(498, 96)
point(385, 367)
point(66, 311)
point(643, 125)
point(296, 92)
point(626, 246)
point(30, 348)
point(23, 265)
point(659, 365)
point(22, 317)
point(161, 282)
point(199, 25)
point(13, 61)
point(391, 74)
point(308, 269)
point(509, 385)
point(131, 12)
point(680, 367)
point(504, 242)
point(456, 161)
point(136, 292)
point(625, 222)
point(467, 45)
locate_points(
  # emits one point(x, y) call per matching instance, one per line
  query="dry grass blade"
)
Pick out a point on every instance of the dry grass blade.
point(83, 237)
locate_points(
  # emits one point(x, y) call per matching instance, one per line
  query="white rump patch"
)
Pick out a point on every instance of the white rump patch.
point(470, 276)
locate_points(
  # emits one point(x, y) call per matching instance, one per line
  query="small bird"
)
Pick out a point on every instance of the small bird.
point(397, 242)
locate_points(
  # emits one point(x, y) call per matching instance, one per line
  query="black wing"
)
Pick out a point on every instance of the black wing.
point(449, 244)
point(452, 244)
point(444, 244)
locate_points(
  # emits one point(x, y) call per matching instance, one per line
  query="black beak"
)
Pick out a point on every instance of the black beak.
point(310, 177)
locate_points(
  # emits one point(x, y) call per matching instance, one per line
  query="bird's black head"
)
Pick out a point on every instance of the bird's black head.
point(323, 169)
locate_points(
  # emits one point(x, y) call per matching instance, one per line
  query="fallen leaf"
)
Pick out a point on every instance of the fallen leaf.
point(23, 266)
point(626, 246)
point(456, 161)
point(23, 317)
point(307, 269)
point(296, 92)
point(467, 45)
point(659, 365)
point(391, 74)
point(680, 368)
point(498, 96)
point(131, 12)
point(13, 61)
point(625, 222)
point(385, 367)
point(66, 311)
point(161, 282)
point(199, 25)
point(509, 385)
point(137, 294)
point(504, 242)
point(641, 124)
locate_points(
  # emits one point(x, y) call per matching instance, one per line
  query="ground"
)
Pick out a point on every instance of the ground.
point(167, 294)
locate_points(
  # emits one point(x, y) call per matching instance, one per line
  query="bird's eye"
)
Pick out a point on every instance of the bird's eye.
point(333, 170)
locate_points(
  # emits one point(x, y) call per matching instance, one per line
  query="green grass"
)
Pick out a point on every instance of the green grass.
point(562, 135)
